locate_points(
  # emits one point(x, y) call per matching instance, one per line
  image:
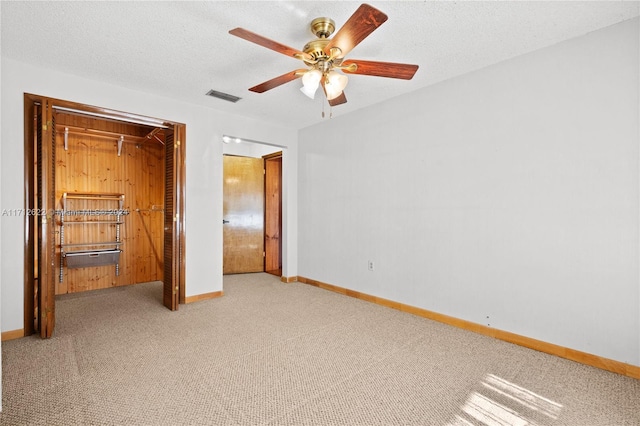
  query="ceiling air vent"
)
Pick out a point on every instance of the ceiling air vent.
point(223, 96)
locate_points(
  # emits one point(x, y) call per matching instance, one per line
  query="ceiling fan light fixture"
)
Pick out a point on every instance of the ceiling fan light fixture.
point(311, 93)
point(335, 84)
point(310, 82)
point(323, 56)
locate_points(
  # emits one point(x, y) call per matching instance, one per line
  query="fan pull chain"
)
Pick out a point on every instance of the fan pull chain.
point(330, 111)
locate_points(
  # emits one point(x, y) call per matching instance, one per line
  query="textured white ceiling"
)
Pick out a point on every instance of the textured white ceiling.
point(182, 49)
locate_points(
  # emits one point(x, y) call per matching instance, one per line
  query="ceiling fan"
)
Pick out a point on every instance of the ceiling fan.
point(324, 57)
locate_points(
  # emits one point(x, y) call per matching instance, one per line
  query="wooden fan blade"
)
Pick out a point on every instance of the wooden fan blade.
point(362, 23)
point(269, 44)
point(381, 69)
point(278, 81)
point(340, 99)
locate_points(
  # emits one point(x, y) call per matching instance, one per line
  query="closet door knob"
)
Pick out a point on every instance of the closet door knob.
point(224, 221)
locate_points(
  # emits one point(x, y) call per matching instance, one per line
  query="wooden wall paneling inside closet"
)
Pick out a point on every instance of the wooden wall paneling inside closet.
point(91, 164)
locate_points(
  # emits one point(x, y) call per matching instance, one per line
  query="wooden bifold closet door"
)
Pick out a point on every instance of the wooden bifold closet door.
point(44, 221)
point(174, 244)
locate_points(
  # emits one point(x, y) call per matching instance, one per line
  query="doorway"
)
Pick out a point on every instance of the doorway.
point(243, 215)
point(252, 209)
point(46, 149)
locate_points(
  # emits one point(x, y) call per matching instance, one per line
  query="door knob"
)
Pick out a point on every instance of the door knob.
point(224, 221)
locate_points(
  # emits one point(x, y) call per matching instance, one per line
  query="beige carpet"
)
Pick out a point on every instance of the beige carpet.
point(288, 354)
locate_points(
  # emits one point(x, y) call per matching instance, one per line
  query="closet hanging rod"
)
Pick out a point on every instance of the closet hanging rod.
point(152, 134)
point(101, 134)
point(116, 115)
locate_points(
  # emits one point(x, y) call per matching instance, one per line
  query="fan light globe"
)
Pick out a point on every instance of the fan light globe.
point(335, 84)
point(310, 82)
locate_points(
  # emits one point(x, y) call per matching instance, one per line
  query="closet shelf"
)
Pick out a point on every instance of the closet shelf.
point(95, 206)
point(107, 243)
point(109, 136)
point(91, 196)
point(85, 222)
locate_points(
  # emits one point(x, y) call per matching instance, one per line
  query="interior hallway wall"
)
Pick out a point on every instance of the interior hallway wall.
point(507, 197)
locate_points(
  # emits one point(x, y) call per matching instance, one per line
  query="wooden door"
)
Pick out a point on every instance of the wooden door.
point(273, 214)
point(243, 215)
point(174, 244)
point(45, 219)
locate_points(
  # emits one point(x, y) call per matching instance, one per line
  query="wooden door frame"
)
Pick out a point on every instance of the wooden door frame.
point(30, 159)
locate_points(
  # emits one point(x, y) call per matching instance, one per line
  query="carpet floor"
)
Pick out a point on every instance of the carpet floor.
point(269, 353)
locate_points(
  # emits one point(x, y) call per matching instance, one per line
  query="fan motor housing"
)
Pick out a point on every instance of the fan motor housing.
point(315, 48)
point(322, 27)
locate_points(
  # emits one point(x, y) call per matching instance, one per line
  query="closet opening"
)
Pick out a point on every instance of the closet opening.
point(106, 190)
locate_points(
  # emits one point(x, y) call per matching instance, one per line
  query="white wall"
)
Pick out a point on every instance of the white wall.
point(0, 226)
point(507, 196)
point(205, 128)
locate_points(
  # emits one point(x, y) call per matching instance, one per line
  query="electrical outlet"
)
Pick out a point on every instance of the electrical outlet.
point(370, 265)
